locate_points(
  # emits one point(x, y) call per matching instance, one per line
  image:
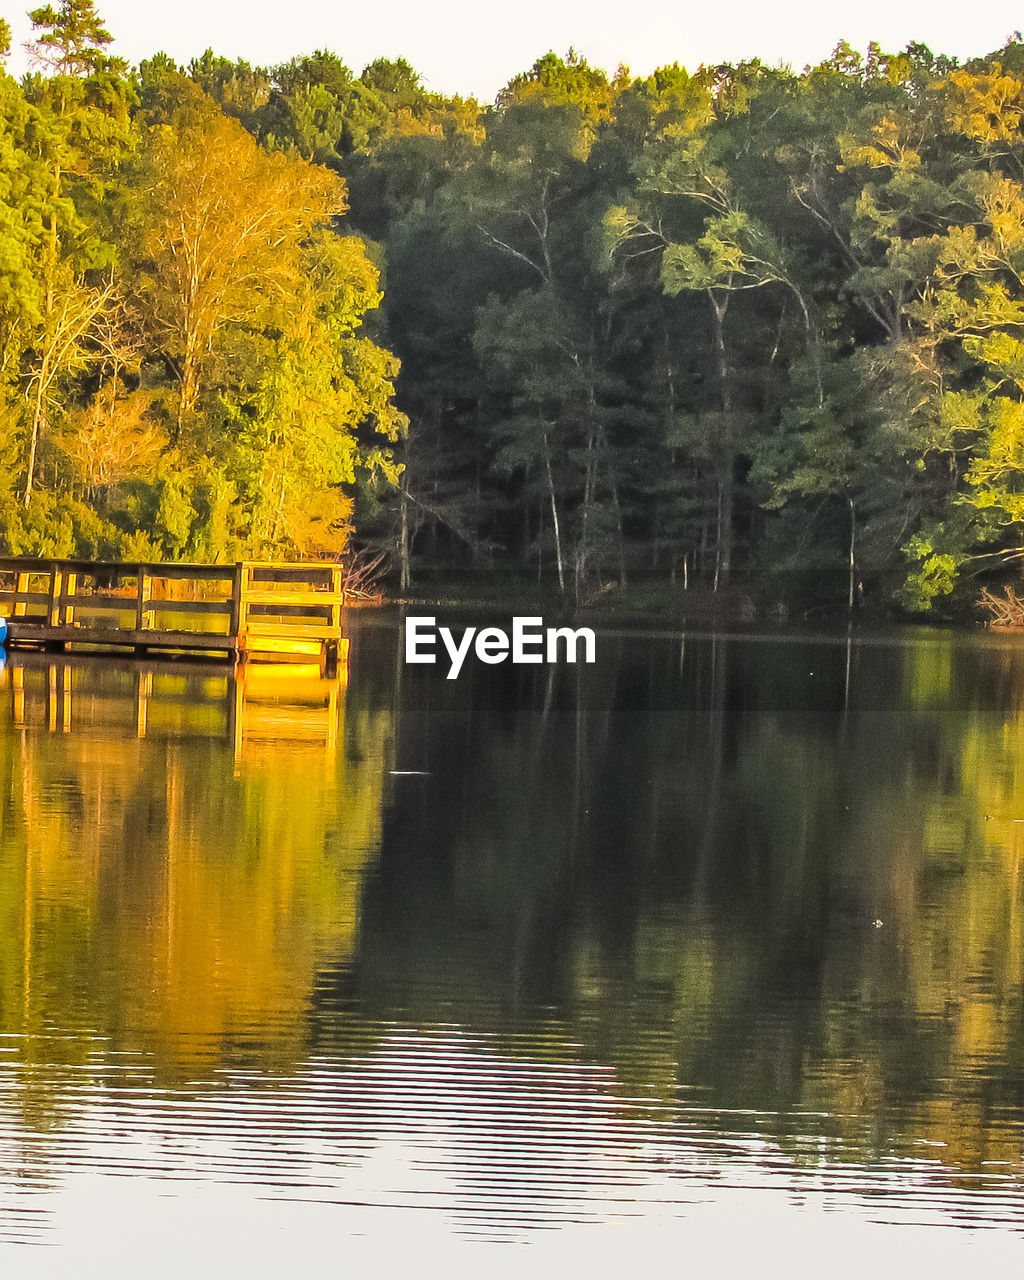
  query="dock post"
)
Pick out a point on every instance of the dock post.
point(21, 606)
point(330, 659)
point(54, 607)
point(332, 646)
point(240, 587)
point(143, 596)
point(70, 587)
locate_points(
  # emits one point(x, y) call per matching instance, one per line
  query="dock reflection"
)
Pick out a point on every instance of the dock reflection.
point(257, 708)
point(184, 851)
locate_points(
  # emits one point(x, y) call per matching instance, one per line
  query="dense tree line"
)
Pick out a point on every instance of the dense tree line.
point(183, 371)
point(740, 320)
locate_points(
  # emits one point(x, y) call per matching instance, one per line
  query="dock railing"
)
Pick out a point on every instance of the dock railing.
point(245, 609)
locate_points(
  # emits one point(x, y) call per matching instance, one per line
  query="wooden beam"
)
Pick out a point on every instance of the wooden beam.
point(320, 599)
point(143, 591)
point(222, 607)
point(244, 587)
point(53, 608)
point(27, 631)
point(8, 596)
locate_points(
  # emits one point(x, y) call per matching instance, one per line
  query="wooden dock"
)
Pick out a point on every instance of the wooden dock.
point(252, 609)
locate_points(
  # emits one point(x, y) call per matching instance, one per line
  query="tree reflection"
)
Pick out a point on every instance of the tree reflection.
point(785, 878)
point(176, 868)
point(781, 878)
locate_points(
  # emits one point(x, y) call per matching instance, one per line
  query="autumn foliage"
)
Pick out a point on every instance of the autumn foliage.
point(184, 372)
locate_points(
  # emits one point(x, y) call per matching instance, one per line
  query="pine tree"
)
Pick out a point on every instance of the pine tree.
point(72, 40)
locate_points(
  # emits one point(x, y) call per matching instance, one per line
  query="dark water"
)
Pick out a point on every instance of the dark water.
point(711, 952)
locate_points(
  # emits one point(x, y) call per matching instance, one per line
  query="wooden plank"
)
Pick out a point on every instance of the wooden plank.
point(192, 572)
point(315, 572)
point(222, 607)
point(29, 632)
point(10, 596)
point(269, 571)
point(309, 613)
point(297, 632)
point(39, 564)
point(319, 598)
point(36, 564)
point(103, 568)
point(100, 600)
point(106, 601)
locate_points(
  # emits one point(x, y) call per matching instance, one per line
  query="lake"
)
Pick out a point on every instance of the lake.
point(708, 955)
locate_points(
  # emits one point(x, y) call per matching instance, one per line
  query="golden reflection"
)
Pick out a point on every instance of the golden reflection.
point(183, 851)
point(262, 703)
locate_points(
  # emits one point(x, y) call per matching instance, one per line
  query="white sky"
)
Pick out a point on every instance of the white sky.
point(475, 47)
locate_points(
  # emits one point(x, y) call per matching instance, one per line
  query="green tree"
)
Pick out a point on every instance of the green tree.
point(71, 40)
point(221, 229)
point(81, 114)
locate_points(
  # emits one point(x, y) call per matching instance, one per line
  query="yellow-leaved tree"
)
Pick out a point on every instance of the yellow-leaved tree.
point(255, 302)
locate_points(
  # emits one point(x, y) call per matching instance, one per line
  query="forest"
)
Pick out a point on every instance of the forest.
point(735, 328)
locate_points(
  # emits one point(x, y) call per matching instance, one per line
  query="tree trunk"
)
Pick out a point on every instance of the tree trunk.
point(403, 540)
point(583, 547)
point(554, 511)
point(187, 398)
point(726, 504)
point(723, 550)
point(37, 426)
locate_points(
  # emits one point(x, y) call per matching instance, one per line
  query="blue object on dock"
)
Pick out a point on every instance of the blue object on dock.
point(3, 632)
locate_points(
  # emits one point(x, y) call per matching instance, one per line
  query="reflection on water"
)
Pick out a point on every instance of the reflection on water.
point(710, 930)
point(253, 707)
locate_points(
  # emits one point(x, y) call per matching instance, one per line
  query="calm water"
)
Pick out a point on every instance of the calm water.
point(713, 951)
